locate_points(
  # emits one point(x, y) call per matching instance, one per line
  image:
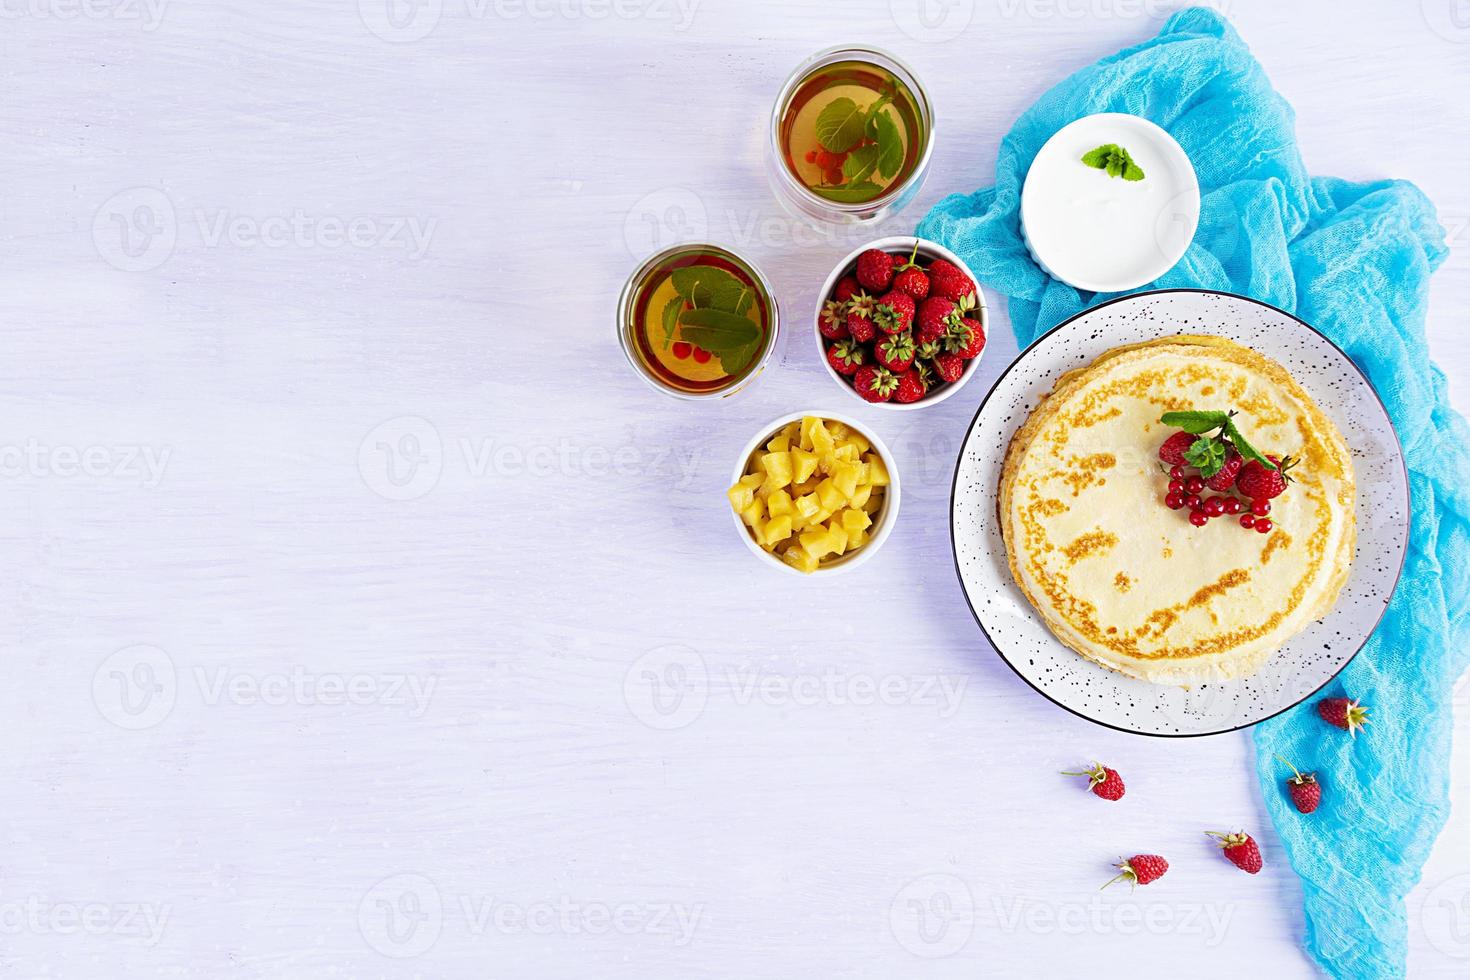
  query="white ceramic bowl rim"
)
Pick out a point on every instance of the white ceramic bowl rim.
point(904, 243)
point(890, 505)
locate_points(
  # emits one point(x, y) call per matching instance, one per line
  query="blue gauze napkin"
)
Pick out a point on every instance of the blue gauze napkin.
point(1353, 260)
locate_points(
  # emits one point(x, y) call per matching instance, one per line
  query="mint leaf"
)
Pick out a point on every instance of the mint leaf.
point(860, 163)
point(672, 309)
point(1098, 158)
point(1244, 448)
point(1115, 160)
point(712, 329)
point(1195, 423)
point(699, 283)
point(853, 193)
point(890, 144)
point(738, 359)
point(732, 297)
point(1208, 454)
point(840, 125)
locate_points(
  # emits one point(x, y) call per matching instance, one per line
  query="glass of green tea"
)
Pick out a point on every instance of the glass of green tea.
point(851, 136)
point(697, 321)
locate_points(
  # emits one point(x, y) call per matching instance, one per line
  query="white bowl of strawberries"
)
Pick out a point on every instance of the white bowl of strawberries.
point(901, 323)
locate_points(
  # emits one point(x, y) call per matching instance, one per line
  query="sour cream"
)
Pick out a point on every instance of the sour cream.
point(1103, 233)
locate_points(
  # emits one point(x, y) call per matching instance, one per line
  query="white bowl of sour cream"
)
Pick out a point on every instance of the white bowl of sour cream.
point(1101, 232)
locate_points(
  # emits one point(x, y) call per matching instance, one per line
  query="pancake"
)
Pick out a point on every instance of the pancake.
point(1132, 585)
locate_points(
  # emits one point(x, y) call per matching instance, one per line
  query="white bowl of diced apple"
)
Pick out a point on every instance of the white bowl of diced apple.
point(814, 492)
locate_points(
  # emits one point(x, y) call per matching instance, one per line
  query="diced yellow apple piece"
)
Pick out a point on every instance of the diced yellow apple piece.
point(778, 469)
point(816, 542)
point(800, 559)
point(805, 506)
point(776, 530)
point(854, 522)
point(838, 429)
point(847, 453)
point(873, 503)
point(830, 497)
point(779, 444)
point(864, 491)
point(740, 497)
point(822, 441)
point(752, 480)
point(753, 513)
point(778, 503)
point(856, 440)
point(803, 465)
point(877, 471)
point(837, 536)
point(845, 479)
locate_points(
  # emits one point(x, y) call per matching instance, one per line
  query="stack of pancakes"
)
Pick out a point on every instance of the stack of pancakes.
point(1132, 585)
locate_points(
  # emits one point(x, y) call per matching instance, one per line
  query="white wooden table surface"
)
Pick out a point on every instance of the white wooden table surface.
point(368, 618)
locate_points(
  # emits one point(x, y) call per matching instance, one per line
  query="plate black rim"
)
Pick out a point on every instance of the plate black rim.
point(1021, 356)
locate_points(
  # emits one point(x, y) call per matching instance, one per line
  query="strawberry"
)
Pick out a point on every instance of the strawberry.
point(911, 280)
point(895, 312)
point(1347, 715)
point(846, 357)
point(1141, 869)
point(832, 323)
point(900, 260)
point(911, 387)
point(927, 350)
point(948, 366)
point(1305, 791)
point(875, 384)
point(860, 325)
point(1263, 483)
point(966, 339)
point(1174, 448)
point(1241, 849)
point(946, 279)
point(1103, 782)
point(1224, 478)
point(933, 318)
point(846, 289)
point(895, 353)
point(874, 270)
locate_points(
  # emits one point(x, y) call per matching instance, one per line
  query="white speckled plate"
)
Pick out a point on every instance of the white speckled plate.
point(1311, 658)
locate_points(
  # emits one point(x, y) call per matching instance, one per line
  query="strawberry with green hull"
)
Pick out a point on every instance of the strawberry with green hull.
point(911, 387)
point(909, 277)
point(965, 339)
point(933, 319)
point(874, 270)
point(1343, 713)
point(1303, 788)
point(1264, 483)
point(949, 367)
point(895, 312)
point(1241, 850)
point(1102, 781)
point(875, 384)
point(846, 289)
point(846, 357)
point(946, 279)
point(896, 353)
point(832, 323)
point(860, 323)
point(1141, 869)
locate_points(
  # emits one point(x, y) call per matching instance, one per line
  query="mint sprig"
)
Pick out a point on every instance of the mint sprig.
point(716, 320)
point(1208, 452)
point(1115, 160)
point(870, 140)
